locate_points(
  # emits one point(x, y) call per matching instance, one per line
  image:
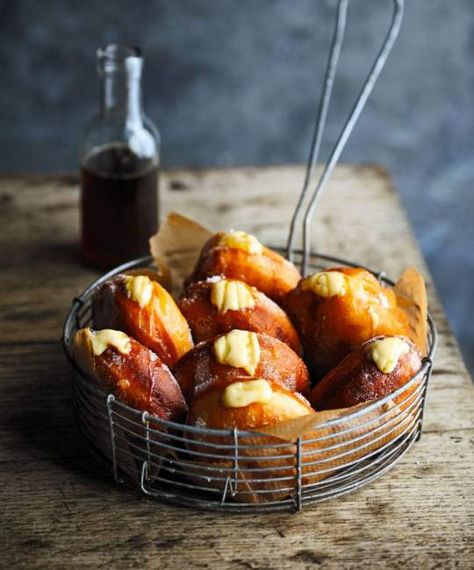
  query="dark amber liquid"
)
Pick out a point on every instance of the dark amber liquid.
point(119, 206)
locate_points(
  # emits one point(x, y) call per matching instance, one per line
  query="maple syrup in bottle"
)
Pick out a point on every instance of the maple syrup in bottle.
point(119, 166)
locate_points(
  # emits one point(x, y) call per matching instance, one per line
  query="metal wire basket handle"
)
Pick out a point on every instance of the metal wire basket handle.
point(333, 60)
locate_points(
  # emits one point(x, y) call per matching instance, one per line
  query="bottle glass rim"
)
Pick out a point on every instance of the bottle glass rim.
point(113, 57)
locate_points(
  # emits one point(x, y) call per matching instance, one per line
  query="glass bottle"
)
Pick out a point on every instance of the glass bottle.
point(119, 165)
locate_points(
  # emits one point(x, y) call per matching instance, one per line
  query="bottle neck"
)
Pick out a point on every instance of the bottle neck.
point(120, 69)
point(121, 98)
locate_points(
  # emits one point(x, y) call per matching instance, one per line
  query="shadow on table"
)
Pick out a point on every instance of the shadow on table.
point(38, 421)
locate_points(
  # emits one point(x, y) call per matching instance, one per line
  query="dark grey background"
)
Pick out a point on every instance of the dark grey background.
point(235, 83)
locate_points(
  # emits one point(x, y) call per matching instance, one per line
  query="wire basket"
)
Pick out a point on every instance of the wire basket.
point(239, 471)
point(242, 471)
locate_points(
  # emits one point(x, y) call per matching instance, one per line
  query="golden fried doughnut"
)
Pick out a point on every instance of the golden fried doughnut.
point(219, 305)
point(237, 255)
point(374, 370)
point(131, 371)
point(143, 309)
point(246, 405)
point(243, 354)
point(337, 310)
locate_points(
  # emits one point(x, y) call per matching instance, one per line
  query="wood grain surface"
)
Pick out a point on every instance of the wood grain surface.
point(60, 509)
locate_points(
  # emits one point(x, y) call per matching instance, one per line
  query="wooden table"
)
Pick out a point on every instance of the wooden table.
point(60, 509)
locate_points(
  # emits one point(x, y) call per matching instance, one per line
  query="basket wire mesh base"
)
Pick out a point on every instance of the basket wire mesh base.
point(238, 471)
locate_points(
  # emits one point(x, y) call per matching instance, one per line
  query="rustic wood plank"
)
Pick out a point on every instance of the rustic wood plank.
point(61, 509)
